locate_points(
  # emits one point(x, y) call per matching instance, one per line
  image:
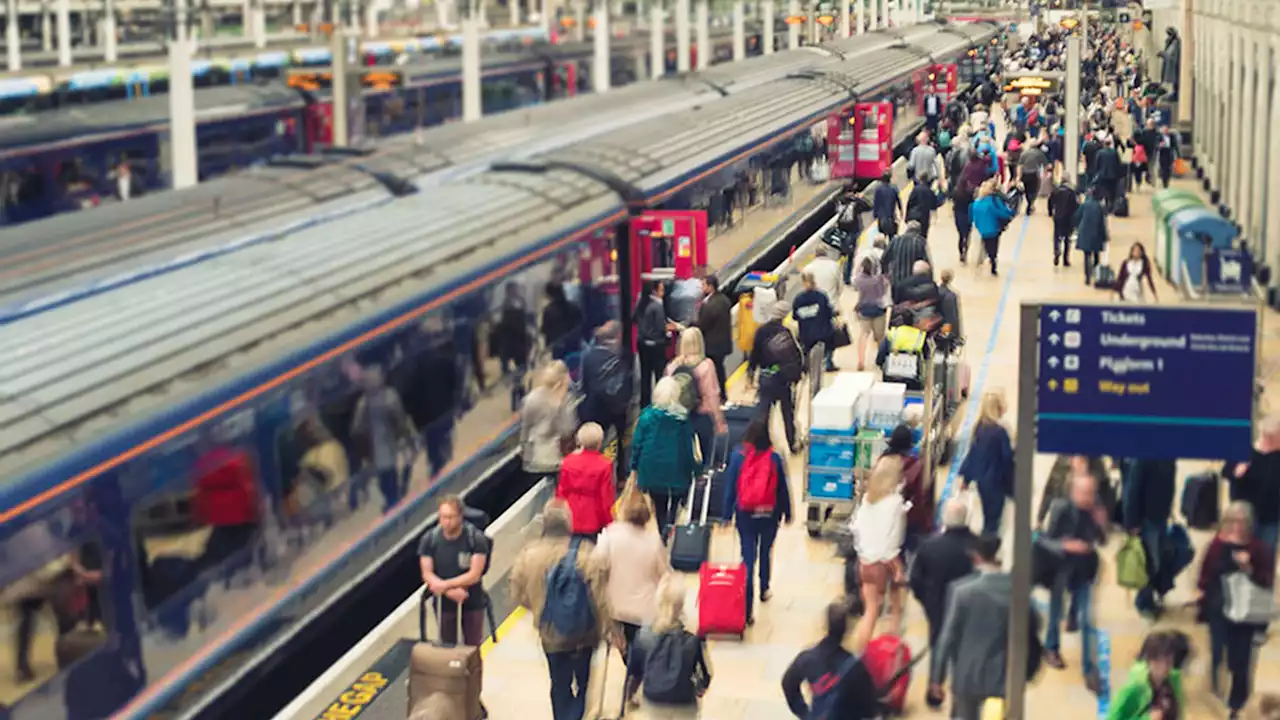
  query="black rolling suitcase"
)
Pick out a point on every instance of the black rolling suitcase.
point(691, 542)
point(1200, 501)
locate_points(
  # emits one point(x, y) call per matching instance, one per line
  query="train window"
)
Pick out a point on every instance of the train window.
point(53, 586)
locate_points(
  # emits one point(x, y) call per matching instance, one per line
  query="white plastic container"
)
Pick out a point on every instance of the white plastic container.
point(836, 406)
point(885, 403)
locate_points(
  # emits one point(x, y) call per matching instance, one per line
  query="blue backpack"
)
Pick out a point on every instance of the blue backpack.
point(826, 692)
point(568, 608)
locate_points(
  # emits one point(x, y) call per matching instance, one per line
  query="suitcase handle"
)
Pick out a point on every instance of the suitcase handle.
point(439, 616)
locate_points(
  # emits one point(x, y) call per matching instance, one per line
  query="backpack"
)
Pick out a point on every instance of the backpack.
point(1131, 564)
point(757, 481)
point(781, 351)
point(568, 608)
point(612, 386)
point(690, 395)
point(826, 703)
point(944, 139)
point(477, 541)
point(669, 668)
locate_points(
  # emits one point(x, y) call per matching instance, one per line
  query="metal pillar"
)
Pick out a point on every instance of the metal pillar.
point(1261, 94)
point(371, 29)
point(601, 69)
point(1242, 90)
point(768, 19)
point(657, 53)
point(702, 21)
point(739, 30)
point(110, 47)
point(793, 29)
point(12, 38)
point(682, 36)
point(580, 21)
point(1024, 489)
point(64, 33)
point(46, 30)
point(1271, 239)
point(861, 16)
point(1071, 148)
point(182, 116)
point(471, 98)
point(844, 19)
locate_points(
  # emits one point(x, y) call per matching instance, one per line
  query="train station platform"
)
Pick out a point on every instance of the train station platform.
point(808, 575)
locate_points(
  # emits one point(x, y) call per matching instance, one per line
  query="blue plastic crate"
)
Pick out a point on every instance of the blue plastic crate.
point(830, 454)
point(827, 485)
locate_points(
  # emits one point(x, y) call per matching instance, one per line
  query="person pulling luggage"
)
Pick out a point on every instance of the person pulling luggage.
point(758, 498)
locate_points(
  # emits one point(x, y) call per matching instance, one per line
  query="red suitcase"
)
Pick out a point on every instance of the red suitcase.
point(722, 599)
point(888, 661)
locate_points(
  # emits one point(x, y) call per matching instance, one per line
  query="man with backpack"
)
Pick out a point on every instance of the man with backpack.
point(776, 356)
point(839, 683)
point(454, 557)
point(606, 387)
point(561, 583)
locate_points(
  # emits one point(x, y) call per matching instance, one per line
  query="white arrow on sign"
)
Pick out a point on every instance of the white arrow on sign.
point(1054, 315)
point(1053, 362)
point(1054, 339)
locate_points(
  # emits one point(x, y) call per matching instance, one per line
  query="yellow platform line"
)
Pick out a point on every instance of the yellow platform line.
point(504, 629)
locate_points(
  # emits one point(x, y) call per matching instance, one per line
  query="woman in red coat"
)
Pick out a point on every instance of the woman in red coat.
point(586, 483)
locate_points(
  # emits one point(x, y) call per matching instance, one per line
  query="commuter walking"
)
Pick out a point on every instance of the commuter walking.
point(974, 640)
point(879, 528)
point(921, 202)
point(886, 205)
point(382, 428)
point(1166, 154)
point(939, 562)
point(826, 275)
point(815, 317)
point(902, 254)
point(1092, 235)
point(780, 364)
point(758, 497)
point(1257, 482)
point(668, 661)
point(558, 579)
point(695, 374)
point(1032, 166)
point(1107, 169)
point(1154, 689)
point(839, 684)
point(549, 416)
point(1063, 203)
point(607, 384)
point(561, 323)
point(872, 288)
point(1074, 531)
point(989, 462)
point(849, 223)
point(652, 327)
point(1133, 271)
point(1235, 549)
point(964, 189)
point(662, 453)
point(586, 483)
point(637, 562)
point(716, 323)
point(991, 214)
point(1148, 490)
point(916, 491)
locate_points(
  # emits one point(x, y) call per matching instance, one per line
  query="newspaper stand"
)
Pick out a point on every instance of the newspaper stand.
point(840, 460)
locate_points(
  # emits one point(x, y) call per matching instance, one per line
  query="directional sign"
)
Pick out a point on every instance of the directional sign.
point(1139, 381)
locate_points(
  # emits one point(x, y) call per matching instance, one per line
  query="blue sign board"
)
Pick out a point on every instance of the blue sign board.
point(1144, 381)
point(1230, 271)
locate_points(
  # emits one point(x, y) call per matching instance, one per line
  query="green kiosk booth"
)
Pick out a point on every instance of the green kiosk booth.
point(1165, 204)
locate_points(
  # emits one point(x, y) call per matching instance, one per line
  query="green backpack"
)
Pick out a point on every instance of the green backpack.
point(1131, 564)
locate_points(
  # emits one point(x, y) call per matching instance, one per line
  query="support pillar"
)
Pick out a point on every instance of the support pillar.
point(682, 36)
point(739, 30)
point(64, 33)
point(371, 29)
point(861, 17)
point(1262, 109)
point(471, 98)
point(793, 30)
point(297, 13)
point(769, 17)
point(183, 166)
point(1271, 239)
point(657, 30)
point(46, 29)
point(1245, 149)
point(844, 19)
point(601, 70)
point(702, 20)
point(110, 46)
point(580, 21)
point(1071, 148)
point(12, 38)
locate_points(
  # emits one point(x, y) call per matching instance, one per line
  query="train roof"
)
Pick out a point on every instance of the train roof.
point(24, 134)
point(77, 373)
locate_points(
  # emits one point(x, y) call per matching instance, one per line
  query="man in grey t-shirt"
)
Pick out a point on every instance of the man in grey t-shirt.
point(923, 160)
point(1032, 164)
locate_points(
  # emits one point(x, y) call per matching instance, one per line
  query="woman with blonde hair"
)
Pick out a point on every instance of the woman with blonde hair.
point(879, 528)
point(699, 389)
point(989, 463)
point(637, 563)
point(669, 695)
point(662, 453)
point(548, 416)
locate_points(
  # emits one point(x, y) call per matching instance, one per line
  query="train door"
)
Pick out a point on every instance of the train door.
point(668, 245)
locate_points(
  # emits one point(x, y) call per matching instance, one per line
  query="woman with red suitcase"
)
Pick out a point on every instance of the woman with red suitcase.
point(757, 498)
point(879, 528)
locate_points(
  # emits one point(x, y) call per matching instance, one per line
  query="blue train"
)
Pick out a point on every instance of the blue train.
point(200, 465)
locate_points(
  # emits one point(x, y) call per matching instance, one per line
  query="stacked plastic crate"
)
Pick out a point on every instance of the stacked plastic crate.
point(833, 447)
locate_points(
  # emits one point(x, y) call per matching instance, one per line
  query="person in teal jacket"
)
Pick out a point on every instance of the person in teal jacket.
point(990, 215)
point(662, 453)
point(1154, 689)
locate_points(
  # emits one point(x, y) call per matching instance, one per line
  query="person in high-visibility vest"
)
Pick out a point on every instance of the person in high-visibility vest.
point(902, 356)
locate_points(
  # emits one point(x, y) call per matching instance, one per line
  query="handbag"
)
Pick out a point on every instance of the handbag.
point(1245, 602)
point(840, 337)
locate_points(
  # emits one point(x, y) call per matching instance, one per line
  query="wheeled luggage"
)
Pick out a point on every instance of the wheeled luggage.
point(1200, 501)
point(722, 599)
point(451, 670)
point(691, 542)
point(888, 660)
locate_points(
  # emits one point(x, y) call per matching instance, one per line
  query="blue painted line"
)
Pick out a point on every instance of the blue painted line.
point(975, 392)
point(1103, 650)
point(1144, 419)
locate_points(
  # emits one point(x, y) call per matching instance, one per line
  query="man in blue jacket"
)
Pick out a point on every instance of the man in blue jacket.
point(813, 313)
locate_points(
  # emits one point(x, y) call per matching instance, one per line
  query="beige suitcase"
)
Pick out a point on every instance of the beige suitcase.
point(450, 670)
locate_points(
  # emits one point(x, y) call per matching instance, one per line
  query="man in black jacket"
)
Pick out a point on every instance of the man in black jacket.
point(716, 324)
point(940, 561)
point(1063, 203)
point(1107, 172)
point(1148, 492)
point(776, 355)
point(606, 385)
point(840, 684)
point(921, 203)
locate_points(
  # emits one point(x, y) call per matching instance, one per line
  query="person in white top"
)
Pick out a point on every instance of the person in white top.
point(826, 275)
point(879, 527)
point(637, 562)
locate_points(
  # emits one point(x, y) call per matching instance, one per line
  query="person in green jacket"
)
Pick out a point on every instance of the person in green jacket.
point(1154, 689)
point(662, 453)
